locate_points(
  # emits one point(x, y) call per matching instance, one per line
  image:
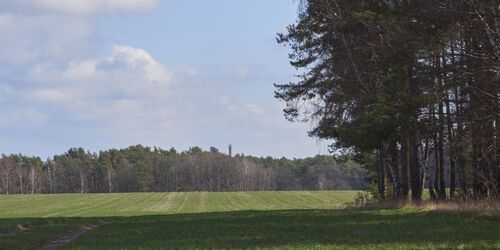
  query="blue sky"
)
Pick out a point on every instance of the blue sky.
point(177, 73)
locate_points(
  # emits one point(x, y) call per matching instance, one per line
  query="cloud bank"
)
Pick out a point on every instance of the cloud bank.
point(81, 7)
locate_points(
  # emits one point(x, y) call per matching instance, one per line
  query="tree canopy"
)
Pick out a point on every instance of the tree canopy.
point(144, 169)
point(415, 83)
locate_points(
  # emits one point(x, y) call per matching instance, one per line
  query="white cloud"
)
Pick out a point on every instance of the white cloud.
point(254, 109)
point(95, 6)
point(34, 115)
point(81, 70)
point(125, 70)
point(5, 92)
point(49, 95)
point(241, 72)
point(35, 39)
point(122, 95)
point(139, 59)
point(52, 62)
point(125, 115)
point(123, 90)
point(133, 63)
point(34, 31)
point(6, 19)
point(81, 7)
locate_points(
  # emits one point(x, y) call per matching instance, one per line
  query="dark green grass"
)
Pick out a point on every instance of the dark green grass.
point(32, 233)
point(285, 228)
point(296, 229)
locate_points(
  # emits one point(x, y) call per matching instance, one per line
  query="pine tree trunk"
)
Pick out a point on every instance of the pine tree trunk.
point(451, 147)
point(495, 8)
point(404, 168)
point(20, 183)
point(110, 182)
point(440, 146)
point(400, 183)
point(381, 175)
point(458, 139)
point(49, 176)
point(32, 180)
point(81, 183)
point(440, 142)
point(415, 172)
point(432, 185)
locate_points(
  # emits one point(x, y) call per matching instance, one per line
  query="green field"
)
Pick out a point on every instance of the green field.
point(251, 220)
point(134, 204)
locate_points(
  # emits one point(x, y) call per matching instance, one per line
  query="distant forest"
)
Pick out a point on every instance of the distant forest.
point(145, 169)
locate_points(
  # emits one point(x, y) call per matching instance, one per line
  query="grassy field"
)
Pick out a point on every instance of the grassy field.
point(134, 204)
point(257, 220)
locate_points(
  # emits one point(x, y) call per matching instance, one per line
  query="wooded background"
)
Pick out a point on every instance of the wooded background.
point(145, 169)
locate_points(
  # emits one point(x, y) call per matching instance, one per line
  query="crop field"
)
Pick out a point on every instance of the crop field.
point(134, 204)
point(239, 220)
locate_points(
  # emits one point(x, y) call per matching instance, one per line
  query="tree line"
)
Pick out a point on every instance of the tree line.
point(410, 86)
point(145, 169)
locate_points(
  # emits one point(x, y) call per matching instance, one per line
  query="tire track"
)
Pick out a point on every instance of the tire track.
point(68, 237)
